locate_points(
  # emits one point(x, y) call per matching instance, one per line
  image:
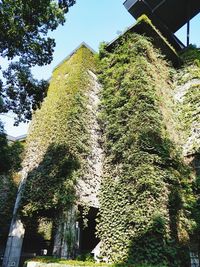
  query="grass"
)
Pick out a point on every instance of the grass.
point(52, 260)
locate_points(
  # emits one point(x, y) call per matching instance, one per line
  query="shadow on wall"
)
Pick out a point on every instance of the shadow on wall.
point(151, 248)
point(175, 252)
point(159, 244)
point(156, 239)
point(49, 191)
point(88, 238)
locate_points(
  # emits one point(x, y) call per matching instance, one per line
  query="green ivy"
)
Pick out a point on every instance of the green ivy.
point(59, 138)
point(145, 182)
point(190, 55)
point(148, 209)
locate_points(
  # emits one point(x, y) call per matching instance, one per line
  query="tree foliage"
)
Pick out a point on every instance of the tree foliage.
point(23, 93)
point(24, 27)
point(10, 163)
point(9, 154)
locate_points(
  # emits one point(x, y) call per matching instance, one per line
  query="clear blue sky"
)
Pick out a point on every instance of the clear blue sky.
point(92, 21)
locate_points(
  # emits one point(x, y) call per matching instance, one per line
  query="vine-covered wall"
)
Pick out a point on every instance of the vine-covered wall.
point(186, 98)
point(59, 151)
point(145, 187)
point(187, 95)
point(58, 142)
point(134, 143)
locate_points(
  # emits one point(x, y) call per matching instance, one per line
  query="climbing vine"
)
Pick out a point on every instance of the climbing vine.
point(144, 186)
point(187, 95)
point(58, 143)
point(148, 209)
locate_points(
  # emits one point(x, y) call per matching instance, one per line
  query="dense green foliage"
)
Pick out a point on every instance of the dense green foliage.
point(24, 42)
point(22, 93)
point(187, 81)
point(9, 154)
point(10, 163)
point(3, 151)
point(8, 190)
point(58, 139)
point(145, 186)
point(149, 204)
point(190, 54)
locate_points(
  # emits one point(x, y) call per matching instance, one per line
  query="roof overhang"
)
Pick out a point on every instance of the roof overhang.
point(20, 138)
point(171, 14)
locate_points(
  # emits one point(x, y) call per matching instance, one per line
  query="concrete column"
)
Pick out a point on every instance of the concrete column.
point(65, 236)
point(16, 233)
point(57, 240)
point(65, 249)
point(14, 244)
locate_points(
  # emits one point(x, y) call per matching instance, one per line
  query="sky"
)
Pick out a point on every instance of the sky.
point(92, 22)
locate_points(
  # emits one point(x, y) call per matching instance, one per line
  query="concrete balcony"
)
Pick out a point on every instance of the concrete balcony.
point(173, 14)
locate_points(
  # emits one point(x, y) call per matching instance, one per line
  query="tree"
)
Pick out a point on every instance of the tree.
point(10, 164)
point(24, 41)
point(10, 154)
point(3, 150)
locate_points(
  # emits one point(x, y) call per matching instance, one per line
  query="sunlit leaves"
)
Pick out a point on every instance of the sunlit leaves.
point(135, 223)
point(24, 26)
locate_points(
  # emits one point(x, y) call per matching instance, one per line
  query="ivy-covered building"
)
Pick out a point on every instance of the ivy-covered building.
point(112, 156)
